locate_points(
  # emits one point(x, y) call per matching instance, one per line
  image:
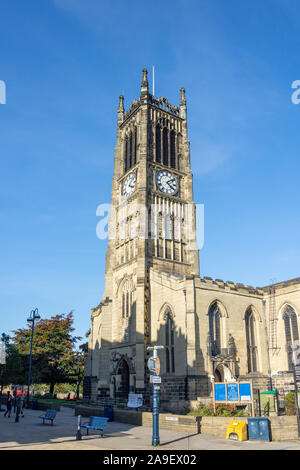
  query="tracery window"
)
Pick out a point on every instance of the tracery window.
point(126, 310)
point(214, 316)
point(250, 325)
point(291, 331)
point(165, 144)
point(169, 343)
point(130, 154)
point(172, 150)
point(165, 147)
point(158, 143)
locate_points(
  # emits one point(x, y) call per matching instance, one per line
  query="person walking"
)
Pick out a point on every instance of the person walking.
point(14, 400)
point(22, 403)
point(8, 404)
point(18, 407)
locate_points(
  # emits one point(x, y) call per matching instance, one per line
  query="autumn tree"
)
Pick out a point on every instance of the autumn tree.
point(53, 351)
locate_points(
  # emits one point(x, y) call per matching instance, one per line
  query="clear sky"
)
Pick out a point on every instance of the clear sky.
point(65, 62)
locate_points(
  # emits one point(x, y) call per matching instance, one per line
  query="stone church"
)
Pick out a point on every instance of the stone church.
point(154, 294)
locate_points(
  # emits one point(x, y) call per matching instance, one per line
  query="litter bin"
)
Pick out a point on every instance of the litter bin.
point(109, 412)
point(237, 430)
point(259, 429)
point(34, 404)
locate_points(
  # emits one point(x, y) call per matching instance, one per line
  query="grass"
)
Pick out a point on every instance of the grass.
point(51, 400)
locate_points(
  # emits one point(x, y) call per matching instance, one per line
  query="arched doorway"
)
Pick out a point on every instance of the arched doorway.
point(218, 375)
point(123, 372)
point(223, 373)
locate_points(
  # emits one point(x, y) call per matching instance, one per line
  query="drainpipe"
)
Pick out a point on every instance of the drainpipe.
point(267, 344)
point(186, 349)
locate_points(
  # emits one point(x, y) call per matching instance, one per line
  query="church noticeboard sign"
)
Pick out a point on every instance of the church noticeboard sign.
point(238, 393)
point(220, 392)
point(232, 392)
point(245, 392)
point(135, 400)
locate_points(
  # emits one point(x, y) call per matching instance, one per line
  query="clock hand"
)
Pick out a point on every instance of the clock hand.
point(171, 186)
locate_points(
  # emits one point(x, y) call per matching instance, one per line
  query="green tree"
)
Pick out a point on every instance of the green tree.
point(13, 371)
point(53, 355)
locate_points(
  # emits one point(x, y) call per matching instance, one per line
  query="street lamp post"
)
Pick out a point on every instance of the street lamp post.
point(34, 315)
point(155, 414)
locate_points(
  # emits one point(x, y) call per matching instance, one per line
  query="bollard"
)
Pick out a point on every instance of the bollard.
point(78, 434)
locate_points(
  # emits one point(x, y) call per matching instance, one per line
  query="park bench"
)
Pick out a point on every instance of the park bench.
point(49, 415)
point(95, 423)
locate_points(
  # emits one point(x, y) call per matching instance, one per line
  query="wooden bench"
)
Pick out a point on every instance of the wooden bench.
point(95, 423)
point(49, 415)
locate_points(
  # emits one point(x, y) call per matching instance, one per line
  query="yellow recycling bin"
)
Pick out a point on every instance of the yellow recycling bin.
point(237, 430)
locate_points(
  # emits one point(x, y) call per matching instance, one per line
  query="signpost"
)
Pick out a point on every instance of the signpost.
point(296, 372)
point(154, 366)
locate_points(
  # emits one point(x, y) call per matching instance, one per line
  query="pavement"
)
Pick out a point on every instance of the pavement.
point(30, 434)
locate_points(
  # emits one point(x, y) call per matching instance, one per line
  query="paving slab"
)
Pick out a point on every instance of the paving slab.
point(30, 434)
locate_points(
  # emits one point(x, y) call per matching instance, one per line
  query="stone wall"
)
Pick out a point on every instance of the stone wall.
point(283, 428)
point(47, 406)
point(169, 421)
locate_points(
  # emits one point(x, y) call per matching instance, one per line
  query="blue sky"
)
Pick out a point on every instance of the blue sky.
point(65, 62)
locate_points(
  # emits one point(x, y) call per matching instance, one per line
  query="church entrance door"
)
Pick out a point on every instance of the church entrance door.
point(218, 376)
point(123, 371)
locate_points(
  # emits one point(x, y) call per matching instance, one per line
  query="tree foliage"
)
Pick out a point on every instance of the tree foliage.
point(54, 359)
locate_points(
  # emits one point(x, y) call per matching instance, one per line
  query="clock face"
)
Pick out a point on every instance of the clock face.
point(166, 182)
point(129, 184)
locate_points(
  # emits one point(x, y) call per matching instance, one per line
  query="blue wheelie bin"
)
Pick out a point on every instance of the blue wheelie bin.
point(109, 412)
point(259, 429)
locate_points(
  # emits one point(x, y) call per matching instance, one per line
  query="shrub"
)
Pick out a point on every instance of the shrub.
point(37, 396)
point(204, 410)
point(289, 402)
point(222, 409)
point(225, 410)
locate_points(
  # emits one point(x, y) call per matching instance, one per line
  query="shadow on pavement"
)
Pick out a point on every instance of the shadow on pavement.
point(30, 429)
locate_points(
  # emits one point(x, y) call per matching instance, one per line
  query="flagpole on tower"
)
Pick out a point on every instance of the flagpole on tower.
point(153, 80)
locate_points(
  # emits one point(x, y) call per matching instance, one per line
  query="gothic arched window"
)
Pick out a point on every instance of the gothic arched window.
point(172, 150)
point(214, 316)
point(165, 147)
point(134, 149)
point(291, 331)
point(130, 153)
point(251, 340)
point(158, 143)
point(169, 343)
point(126, 144)
point(126, 306)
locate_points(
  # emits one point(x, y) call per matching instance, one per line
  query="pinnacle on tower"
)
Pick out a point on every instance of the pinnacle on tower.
point(182, 97)
point(121, 109)
point(182, 103)
point(144, 85)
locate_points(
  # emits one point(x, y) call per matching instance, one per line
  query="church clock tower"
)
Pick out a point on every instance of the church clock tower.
point(151, 229)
